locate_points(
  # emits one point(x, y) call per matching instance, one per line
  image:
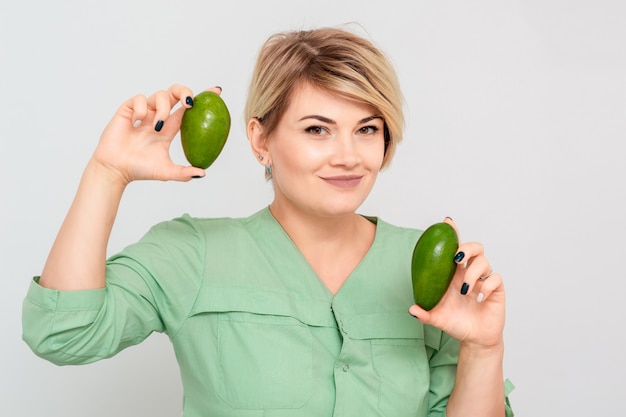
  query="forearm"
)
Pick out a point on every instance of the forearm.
point(77, 258)
point(479, 387)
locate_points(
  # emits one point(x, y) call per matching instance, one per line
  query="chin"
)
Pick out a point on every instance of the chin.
point(340, 209)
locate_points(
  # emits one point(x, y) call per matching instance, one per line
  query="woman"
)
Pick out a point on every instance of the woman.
point(301, 308)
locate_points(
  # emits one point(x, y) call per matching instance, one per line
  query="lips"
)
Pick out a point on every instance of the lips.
point(344, 181)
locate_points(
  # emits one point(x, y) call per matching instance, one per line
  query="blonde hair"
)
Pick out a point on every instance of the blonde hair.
point(332, 59)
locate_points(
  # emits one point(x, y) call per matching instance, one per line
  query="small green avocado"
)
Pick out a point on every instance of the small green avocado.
point(432, 265)
point(204, 129)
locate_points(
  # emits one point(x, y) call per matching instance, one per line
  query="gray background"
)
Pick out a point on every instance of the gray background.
point(516, 123)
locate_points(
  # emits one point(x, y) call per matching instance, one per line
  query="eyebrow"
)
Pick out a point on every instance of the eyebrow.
point(331, 121)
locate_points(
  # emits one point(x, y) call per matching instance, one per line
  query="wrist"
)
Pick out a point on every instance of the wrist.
point(481, 350)
point(106, 175)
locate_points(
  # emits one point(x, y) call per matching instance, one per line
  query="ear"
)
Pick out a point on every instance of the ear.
point(258, 141)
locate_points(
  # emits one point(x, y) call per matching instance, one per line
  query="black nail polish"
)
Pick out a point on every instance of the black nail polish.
point(189, 101)
point(459, 257)
point(464, 288)
point(197, 176)
point(217, 86)
point(448, 217)
point(159, 126)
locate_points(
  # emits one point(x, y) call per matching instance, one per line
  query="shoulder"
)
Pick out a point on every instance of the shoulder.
point(189, 238)
point(394, 233)
point(187, 230)
point(186, 224)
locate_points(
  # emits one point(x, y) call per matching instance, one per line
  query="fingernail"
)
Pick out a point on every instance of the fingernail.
point(448, 217)
point(159, 126)
point(464, 288)
point(197, 176)
point(189, 101)
point(137, 123)
point(480, 297)
point(459, 257)
point(217, 86)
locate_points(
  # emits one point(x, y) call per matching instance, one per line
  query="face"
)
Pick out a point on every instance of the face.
point(325, 153)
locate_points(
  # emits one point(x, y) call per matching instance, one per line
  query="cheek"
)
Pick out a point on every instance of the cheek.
point(375, 155)
point(301, 158)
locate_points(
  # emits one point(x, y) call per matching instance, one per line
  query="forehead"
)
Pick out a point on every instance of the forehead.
point(307, 99)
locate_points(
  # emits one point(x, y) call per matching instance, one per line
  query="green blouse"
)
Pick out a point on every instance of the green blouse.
point(254, 330)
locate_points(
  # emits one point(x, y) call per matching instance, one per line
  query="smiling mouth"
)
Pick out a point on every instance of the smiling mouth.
point(344, 181)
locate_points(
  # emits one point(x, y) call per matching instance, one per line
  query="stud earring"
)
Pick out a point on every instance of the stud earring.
point(260, 157)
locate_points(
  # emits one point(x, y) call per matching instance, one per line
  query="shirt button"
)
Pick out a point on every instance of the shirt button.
point(346, 368)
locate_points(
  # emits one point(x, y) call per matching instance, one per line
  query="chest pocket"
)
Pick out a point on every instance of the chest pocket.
point(400, 359)
point(264, 347)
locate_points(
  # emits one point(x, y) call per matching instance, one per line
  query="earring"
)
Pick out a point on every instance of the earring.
point(268, 172)
point(260, 157)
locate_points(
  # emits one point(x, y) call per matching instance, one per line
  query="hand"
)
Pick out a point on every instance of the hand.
point(476, 317)
point(135, 144)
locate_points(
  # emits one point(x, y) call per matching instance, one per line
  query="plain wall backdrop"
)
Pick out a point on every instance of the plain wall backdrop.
point(516, 122)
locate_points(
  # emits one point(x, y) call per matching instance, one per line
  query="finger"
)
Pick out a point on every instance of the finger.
point(488, 286)
point(138, 108)
point(184, 173)
point(180, 94)
point(485, 275)
point(164, 101)
point(451, 222)
point(460, 255)
point(467, 251)
point(477, 267)
point(184, 95)
point(465, 256)
point(420, 314)
point(173, 121)
point(162, 106)
point(217, 89)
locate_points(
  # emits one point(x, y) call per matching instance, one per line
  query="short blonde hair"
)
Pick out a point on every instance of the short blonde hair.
point(333, 59)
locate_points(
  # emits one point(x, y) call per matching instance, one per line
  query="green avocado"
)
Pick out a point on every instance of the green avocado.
point(204, 129)
point(432, 265)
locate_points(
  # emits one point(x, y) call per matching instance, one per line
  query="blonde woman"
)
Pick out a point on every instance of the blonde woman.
point(299, 309)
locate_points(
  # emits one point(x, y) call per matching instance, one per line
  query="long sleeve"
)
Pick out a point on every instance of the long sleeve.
point(150, 287)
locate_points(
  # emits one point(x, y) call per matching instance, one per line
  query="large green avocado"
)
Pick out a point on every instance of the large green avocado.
point(204, 129)
point(432, 265)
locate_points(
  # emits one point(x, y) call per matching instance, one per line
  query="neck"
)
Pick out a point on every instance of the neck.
point(308, 226)
point(333, 245)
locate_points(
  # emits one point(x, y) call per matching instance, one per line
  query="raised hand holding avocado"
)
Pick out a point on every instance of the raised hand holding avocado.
point(432, 264)
point(204, 129)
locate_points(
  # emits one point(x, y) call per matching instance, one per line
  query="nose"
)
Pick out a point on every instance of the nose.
point(345, 151)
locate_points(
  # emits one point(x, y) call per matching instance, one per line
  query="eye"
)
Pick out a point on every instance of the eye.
point(368, 130)
point(317, 130)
